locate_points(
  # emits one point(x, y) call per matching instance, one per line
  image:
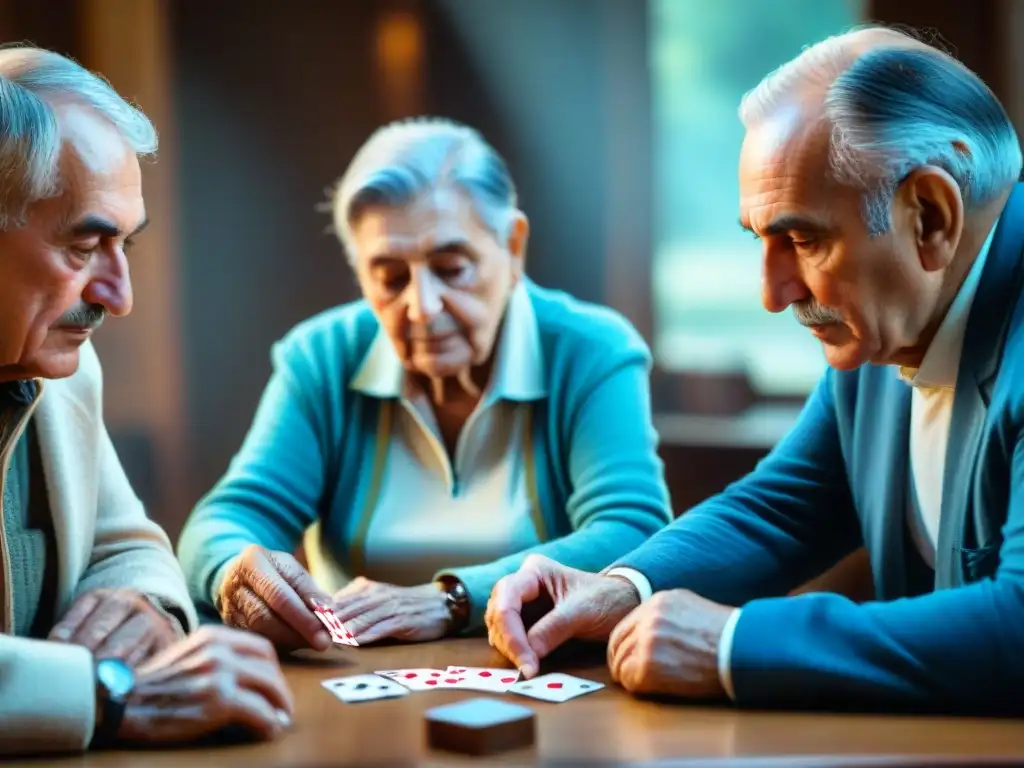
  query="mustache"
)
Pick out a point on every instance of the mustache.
point(83, 317)
point(810, 313)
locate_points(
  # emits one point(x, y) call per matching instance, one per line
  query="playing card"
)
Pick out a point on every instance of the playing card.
point(364, 688)
point(338, 632)
point(486, 678)
point(555, 687)
point(423, 679)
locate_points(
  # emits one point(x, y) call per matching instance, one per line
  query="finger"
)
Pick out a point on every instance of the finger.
point(125, 641)
point(104, 621)
point(250, 611)
point(392, 626)
point(358, 607)
point(556, 627)
point(254, 713)
point(505, 626)
point(299, 579)
point(265, 678)
point(290, 593)
point(142, 651)
point(79, 612)
point(621, 645)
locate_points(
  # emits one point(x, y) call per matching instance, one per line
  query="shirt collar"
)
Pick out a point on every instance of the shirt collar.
point(518, 374)
point(941, 361)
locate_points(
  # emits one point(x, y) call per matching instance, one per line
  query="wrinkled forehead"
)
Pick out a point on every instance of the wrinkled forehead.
point(784, 168)
point(431, 219)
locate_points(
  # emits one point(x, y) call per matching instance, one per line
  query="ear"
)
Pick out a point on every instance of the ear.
point(935, 206)
point(518, 235)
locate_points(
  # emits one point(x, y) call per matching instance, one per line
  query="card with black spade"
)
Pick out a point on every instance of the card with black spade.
point(364, 688)
point(556, 687)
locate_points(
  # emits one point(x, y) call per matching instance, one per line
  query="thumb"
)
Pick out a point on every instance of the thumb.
point(299, 579)
point(554, 628)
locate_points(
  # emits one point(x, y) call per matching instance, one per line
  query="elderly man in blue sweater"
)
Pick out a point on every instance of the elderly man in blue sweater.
point(881, 177)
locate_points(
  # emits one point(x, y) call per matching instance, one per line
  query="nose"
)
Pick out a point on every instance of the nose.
point(425, 296)
point(111, 284)
point(781, 284)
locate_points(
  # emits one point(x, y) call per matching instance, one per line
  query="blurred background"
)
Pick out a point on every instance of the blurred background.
point(617, 118)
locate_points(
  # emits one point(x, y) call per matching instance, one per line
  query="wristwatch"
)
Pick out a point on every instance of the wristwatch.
point(457, 599)
point(115, 682)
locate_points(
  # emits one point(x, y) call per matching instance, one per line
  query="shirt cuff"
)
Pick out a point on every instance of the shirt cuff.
point(725, 653)
point(637, 579)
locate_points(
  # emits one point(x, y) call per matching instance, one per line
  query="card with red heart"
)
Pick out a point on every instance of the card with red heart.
point(338, 632)
point(423, 679)
point(556, 687)
point(486, 678)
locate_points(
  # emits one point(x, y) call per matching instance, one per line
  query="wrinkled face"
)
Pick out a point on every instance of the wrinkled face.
point(66, 269)
point(438, 279)
point(866, 298)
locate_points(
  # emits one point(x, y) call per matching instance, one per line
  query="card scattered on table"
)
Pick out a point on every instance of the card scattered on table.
point(492, 679)
point(556, 687)
point(338, 632)
point(364, 688)
point(424, 679)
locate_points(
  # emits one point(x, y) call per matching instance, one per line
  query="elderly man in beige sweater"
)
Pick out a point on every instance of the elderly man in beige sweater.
point(94, 614)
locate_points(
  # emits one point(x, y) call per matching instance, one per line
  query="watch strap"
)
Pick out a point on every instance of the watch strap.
point(457, 600)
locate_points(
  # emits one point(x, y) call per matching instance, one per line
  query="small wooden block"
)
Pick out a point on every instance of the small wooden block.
point(480, 726)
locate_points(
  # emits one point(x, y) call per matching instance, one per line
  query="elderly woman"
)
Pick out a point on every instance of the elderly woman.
point(434, 434)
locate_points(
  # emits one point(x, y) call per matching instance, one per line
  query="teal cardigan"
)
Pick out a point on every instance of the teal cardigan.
point(317, 450)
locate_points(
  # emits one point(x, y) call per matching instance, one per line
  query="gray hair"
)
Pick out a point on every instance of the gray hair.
point(409, 157)
point(895, 104)
point(32, 81)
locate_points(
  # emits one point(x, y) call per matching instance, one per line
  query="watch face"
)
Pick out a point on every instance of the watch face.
point(116, 676)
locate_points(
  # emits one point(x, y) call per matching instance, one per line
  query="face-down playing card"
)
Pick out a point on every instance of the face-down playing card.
point(424, 679)
point(364, 688)
point(493, 679)
point(339, 632)
point(556, 687)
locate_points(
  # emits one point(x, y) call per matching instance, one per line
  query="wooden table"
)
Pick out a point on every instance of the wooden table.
point(605, 727)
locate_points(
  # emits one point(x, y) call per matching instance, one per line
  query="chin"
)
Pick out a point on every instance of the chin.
point(54, 365)
point(846, 357)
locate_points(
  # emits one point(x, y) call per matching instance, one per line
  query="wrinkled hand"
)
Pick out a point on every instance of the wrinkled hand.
point(669, 646)
point(271, 594)
point(116, 623)
point(587, 606)
point(372, 611)
point(215, 678)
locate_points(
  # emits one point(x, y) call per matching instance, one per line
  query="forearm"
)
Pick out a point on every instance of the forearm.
point(589, 549)
point(47, 697)
point(952, 649)
point(140, 559)
point(730, 552)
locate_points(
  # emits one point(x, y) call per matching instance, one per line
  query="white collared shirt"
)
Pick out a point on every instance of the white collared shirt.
point(931, 408)
point(431, 512)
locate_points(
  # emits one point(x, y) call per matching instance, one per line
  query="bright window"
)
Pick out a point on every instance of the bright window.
point(708, 313)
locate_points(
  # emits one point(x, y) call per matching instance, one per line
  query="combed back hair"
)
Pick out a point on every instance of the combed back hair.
point(32, 82)
point(895, 104)
point(407, 158)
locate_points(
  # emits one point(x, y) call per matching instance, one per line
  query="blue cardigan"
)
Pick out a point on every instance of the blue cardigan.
point(316, 449)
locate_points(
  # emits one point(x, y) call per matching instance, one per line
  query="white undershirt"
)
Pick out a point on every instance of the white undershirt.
point(931, 408)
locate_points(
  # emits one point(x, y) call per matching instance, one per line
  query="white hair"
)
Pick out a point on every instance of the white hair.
point(32, 81)
point(895, 104)
point(406, 158)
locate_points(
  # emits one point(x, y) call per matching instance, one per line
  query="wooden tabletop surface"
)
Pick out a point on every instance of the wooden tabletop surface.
point(608, 727)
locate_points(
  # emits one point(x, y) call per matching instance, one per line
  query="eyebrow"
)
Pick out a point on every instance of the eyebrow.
point(93, 225)
point(453, 246)
point(790, 222)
